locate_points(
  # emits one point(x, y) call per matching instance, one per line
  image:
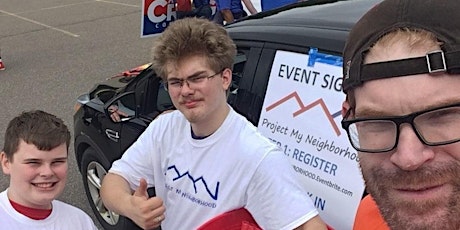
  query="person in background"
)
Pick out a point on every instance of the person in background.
point(203, 159)
point(230, 10)
point(2, 66)
point(203, 8)
point(402, 113)
point(272, 4)
point(200, 9)
point(35, 157)
point(248, 4)
point(183, 8)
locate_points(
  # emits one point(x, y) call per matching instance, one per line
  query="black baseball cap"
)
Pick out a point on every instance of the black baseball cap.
point(440, 17)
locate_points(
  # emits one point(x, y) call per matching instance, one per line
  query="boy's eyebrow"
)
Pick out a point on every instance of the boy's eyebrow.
point(61, 158)
point(38, 159)
point(198, 73)
point(31, 159)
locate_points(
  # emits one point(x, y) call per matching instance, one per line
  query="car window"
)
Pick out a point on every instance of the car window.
point(244, 73)
point(125, 106)
point(163, 101)
point(238, 69)
point(147, 93)
point(151, 97)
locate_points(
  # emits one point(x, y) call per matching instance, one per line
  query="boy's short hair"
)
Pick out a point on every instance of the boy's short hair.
point(44, 130)
point(193, 37)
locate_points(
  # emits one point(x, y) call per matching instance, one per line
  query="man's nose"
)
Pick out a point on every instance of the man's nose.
point(411, 152)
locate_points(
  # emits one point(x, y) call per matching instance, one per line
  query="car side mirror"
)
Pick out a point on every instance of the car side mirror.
point(121, 108)
point(105, 94)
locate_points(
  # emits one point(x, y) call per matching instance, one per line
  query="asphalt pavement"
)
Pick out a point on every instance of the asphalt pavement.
point(55, 50)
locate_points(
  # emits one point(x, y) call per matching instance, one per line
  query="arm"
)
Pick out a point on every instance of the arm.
point(315, 223)
point(227, 15)
point(118, 197)
point(250, 6)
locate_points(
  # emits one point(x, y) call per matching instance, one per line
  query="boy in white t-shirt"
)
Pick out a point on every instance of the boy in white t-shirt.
point(203, 159)
point(35, 155)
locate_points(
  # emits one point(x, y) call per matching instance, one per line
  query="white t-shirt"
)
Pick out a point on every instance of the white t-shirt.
point(63, 216)
point(199, 179)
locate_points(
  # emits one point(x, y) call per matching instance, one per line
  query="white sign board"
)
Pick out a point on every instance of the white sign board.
point(302, 114)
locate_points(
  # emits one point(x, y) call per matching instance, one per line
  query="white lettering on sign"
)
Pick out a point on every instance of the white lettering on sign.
point(162, 15)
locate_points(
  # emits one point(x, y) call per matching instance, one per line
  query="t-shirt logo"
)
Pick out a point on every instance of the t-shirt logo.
point(198, 183)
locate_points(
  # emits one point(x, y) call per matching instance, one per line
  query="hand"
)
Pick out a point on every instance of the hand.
point(147, 212)
point(116, 114)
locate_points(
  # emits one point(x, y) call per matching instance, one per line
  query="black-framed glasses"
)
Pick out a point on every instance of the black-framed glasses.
point(436, 126)
point(192, 82)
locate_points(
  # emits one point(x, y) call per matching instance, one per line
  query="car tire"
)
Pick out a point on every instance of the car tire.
point(93, 171)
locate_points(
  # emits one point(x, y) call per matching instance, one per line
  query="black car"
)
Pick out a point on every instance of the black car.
point(140, 95)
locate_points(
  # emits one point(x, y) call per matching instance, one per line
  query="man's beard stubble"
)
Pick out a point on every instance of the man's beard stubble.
point(409, 214)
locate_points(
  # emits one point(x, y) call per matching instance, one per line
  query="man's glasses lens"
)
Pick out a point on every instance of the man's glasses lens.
point(378, 135)
point(433, 127)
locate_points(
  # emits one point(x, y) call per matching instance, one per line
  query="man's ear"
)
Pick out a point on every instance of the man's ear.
point(226, 78)
point(5, 163)
point(345, 107)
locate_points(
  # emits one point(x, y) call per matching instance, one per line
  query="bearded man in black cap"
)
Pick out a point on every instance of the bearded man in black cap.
point(402, 113)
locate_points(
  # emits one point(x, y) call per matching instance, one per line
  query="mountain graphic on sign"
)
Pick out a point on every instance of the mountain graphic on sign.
point(303, 108)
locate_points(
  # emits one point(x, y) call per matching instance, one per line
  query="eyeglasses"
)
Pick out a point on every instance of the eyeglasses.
point(433, 127)
point(192, 82)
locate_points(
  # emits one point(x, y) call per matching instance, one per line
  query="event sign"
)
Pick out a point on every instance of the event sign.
point(301, 114)
point(156, 16)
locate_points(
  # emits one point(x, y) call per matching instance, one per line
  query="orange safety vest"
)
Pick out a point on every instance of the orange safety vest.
point(368, 216)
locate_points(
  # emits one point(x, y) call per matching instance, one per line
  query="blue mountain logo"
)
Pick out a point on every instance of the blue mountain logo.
point(195, 181)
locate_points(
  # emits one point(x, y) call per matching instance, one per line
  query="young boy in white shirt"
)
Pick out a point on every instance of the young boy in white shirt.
point(35, 157)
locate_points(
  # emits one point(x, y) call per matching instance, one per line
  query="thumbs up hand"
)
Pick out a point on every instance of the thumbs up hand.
point(147, 212)
point(141, 191)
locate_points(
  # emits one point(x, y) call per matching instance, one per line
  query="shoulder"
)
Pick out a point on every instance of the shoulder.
point(255, 141)
point(241, 123)
point(170, 120)
point(368, 216)
point(72, 217)
point(70, 210)
point(3, 195)
point(4, 202)
point(168, 117)
point(249, 134)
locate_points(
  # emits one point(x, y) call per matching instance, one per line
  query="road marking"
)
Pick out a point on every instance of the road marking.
point(55, 7)
point(41, 24)
point(117, 3)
